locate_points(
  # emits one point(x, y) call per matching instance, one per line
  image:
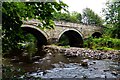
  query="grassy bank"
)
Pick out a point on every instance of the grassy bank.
point(105, 43)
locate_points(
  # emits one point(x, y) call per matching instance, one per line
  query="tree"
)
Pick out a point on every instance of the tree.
point(62, 16)
point(74, 17)
point(14, 12)
point(79, 17)
point(89, 17)
point(112, 17)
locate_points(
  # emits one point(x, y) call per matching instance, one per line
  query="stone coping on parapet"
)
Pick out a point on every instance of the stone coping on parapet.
point(36, 22)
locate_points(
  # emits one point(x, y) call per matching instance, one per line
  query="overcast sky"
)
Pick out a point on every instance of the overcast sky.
point(79, 5)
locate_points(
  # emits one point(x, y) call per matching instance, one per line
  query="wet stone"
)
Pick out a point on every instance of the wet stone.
point(74, 70)
point(61, 66)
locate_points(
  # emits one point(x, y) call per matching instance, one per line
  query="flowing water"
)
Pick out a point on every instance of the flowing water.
point(57, 65)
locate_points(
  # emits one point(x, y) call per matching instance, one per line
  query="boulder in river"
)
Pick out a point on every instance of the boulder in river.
point(84, 63)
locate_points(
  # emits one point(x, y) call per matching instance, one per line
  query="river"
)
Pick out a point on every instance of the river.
point(56, 64)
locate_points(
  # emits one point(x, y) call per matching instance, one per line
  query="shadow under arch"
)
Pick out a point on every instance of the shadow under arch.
point(39, 34)
point(75, 37)
point(97, 35)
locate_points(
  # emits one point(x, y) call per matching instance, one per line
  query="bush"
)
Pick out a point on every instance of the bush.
point(102, 43)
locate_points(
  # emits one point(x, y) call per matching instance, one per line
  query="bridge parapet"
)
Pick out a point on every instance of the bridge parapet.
point(60, 24)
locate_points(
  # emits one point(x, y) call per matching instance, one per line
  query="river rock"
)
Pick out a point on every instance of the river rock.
point(87, 53)
point(84, 63)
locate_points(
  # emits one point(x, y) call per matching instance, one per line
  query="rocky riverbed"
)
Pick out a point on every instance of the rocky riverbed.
point(79, 63)
point(83, 52)
point(95, 69)
point(69, 63)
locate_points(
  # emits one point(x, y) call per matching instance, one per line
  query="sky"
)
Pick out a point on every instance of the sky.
point(79, 5)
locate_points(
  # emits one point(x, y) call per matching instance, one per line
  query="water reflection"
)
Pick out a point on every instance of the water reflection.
point(56, 65)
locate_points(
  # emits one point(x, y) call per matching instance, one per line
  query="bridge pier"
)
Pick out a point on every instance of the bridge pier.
point(53, 41)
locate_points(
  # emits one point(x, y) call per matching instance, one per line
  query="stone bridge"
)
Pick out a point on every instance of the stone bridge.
point(76, 33)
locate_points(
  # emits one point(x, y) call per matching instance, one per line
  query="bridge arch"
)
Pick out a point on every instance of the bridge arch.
point(97, 34)
point(40, 35)
point(74, 36)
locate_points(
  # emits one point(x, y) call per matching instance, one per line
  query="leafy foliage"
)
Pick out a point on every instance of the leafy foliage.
point(14, 12)
point(112, 13)
point(11, 73)
point(74, 17)
point(102, 43)
point(64, 41)
point(89, 17)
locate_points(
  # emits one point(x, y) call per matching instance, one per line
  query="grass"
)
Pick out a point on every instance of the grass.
point(105, 43)
point(66, 46)
point(104, 48)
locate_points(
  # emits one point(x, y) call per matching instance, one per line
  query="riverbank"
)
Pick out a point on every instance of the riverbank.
point(84, 52)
